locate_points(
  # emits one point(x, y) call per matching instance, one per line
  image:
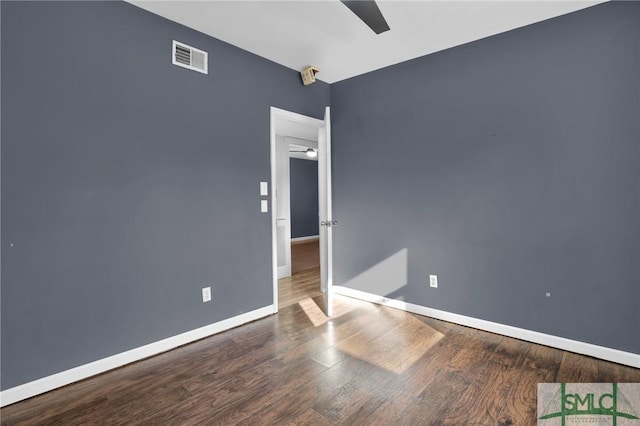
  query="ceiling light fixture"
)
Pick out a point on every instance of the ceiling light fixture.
point(311, 153)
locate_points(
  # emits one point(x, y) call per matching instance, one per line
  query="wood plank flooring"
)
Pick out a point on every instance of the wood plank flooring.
point(305, 255)
point(305, 280)
point(368, 365)
point(299, 286)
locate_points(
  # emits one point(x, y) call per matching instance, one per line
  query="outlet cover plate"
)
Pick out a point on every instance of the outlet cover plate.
point(206, 294)
point(433, 281)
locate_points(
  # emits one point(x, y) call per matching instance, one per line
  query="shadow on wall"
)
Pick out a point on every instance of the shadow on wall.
point(385, 277)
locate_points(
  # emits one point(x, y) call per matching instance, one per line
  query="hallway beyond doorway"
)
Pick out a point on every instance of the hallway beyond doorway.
point(305, 255)
point(305, 279)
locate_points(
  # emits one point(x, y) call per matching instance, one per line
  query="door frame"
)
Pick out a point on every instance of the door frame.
point(276, 115)
point(282, 188)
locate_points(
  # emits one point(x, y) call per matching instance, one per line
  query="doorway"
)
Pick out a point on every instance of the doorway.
point(304, 208)
point(301, 259)
point(304, 280)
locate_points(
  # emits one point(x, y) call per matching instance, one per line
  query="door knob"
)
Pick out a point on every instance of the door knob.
point(334, 223)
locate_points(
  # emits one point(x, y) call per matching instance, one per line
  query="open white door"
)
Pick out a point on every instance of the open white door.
point(326, 220)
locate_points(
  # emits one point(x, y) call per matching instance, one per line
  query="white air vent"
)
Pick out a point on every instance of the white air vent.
point(189, 57)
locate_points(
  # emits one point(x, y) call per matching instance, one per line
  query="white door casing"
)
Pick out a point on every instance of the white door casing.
point(282, 123)
point(283, 207)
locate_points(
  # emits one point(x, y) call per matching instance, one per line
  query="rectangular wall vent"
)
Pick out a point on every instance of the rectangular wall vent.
point(190, 57)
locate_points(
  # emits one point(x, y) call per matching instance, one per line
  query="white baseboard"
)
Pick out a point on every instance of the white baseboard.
point(302, 239)
point(63, 378)
point(608, 354)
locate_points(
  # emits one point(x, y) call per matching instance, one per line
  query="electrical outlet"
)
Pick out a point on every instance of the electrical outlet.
point(433, 281)
point(206, 294)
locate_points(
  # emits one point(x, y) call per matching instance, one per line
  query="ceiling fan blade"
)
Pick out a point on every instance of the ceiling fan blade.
point(368, 11)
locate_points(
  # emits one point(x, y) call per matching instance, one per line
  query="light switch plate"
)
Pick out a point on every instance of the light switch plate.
point(264, 189)
point(264, 206)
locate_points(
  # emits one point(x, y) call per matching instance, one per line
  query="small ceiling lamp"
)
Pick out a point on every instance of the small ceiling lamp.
point(311, 153)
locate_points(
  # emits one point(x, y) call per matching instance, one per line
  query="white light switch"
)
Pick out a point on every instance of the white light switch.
point(264, 188)
point(264, 206)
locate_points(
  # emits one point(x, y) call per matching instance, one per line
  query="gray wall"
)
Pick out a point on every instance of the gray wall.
point(510, 168)
point(304, 197)
point(126, 184)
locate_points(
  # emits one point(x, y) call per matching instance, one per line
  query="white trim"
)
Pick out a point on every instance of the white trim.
point(81, 372)
point(282, 211)
point(609, 354)
point(274, 112)
point(275, 115)
point(308, 238)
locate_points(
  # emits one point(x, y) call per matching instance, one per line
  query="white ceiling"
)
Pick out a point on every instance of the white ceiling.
point(328, 35)
point(296, 130)
point(298, 136)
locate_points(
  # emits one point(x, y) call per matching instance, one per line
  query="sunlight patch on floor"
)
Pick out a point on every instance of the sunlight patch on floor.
point(406, 340)
point(397, 349)
point(315, 314)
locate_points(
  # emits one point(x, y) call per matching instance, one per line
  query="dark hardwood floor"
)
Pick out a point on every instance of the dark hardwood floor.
point(368, 365)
